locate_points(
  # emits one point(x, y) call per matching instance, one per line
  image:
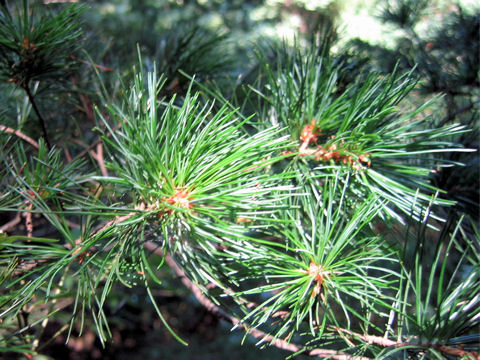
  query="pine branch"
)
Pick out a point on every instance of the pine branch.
point(281, 344)
point(258, 334)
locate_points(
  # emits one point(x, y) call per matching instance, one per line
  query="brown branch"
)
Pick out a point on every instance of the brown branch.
point(378, 340)
point(88, 148)
point(26, 266)
point(258, 334)
point(98, 155)
point(472, 355)
point(100, 160)
point(19, 134)
point(100, 67)
point(67, 154)
point(11, 223)
point(87, 105)
point(81, 143)
point(371, 339)
point(58, 1)
point(29, 222)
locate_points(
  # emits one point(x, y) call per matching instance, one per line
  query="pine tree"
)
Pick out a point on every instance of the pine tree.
point(300, 208)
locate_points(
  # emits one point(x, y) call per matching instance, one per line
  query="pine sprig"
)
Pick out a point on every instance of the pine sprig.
point(187, 163)
point(445, 312)
point(325, 261)
point(356, 126)
point(37, 48)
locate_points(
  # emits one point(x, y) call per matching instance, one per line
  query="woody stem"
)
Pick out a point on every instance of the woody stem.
point(41, 120)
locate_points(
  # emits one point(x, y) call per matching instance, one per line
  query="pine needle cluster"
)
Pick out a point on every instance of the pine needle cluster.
point(300, 207)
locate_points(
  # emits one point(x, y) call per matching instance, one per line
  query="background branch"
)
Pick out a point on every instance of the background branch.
point(41, 120)
point(19, 134)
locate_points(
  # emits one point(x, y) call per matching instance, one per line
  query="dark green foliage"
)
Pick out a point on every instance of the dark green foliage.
point(195, 51)
point(36, 48)
point(447, 62)
point(404, 13)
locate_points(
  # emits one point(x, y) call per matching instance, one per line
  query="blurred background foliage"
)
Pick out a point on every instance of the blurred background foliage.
point(215, 40)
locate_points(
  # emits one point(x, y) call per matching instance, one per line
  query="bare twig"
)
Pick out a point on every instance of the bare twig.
point(378, 340)
point(473, 355)
point(99, 157)
point(11, 223)
point(19, 134)
point(67, 154)
point(41, 120)
point(29, 222)
point(88, 148)
point(100, 67)
point(58, 1)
